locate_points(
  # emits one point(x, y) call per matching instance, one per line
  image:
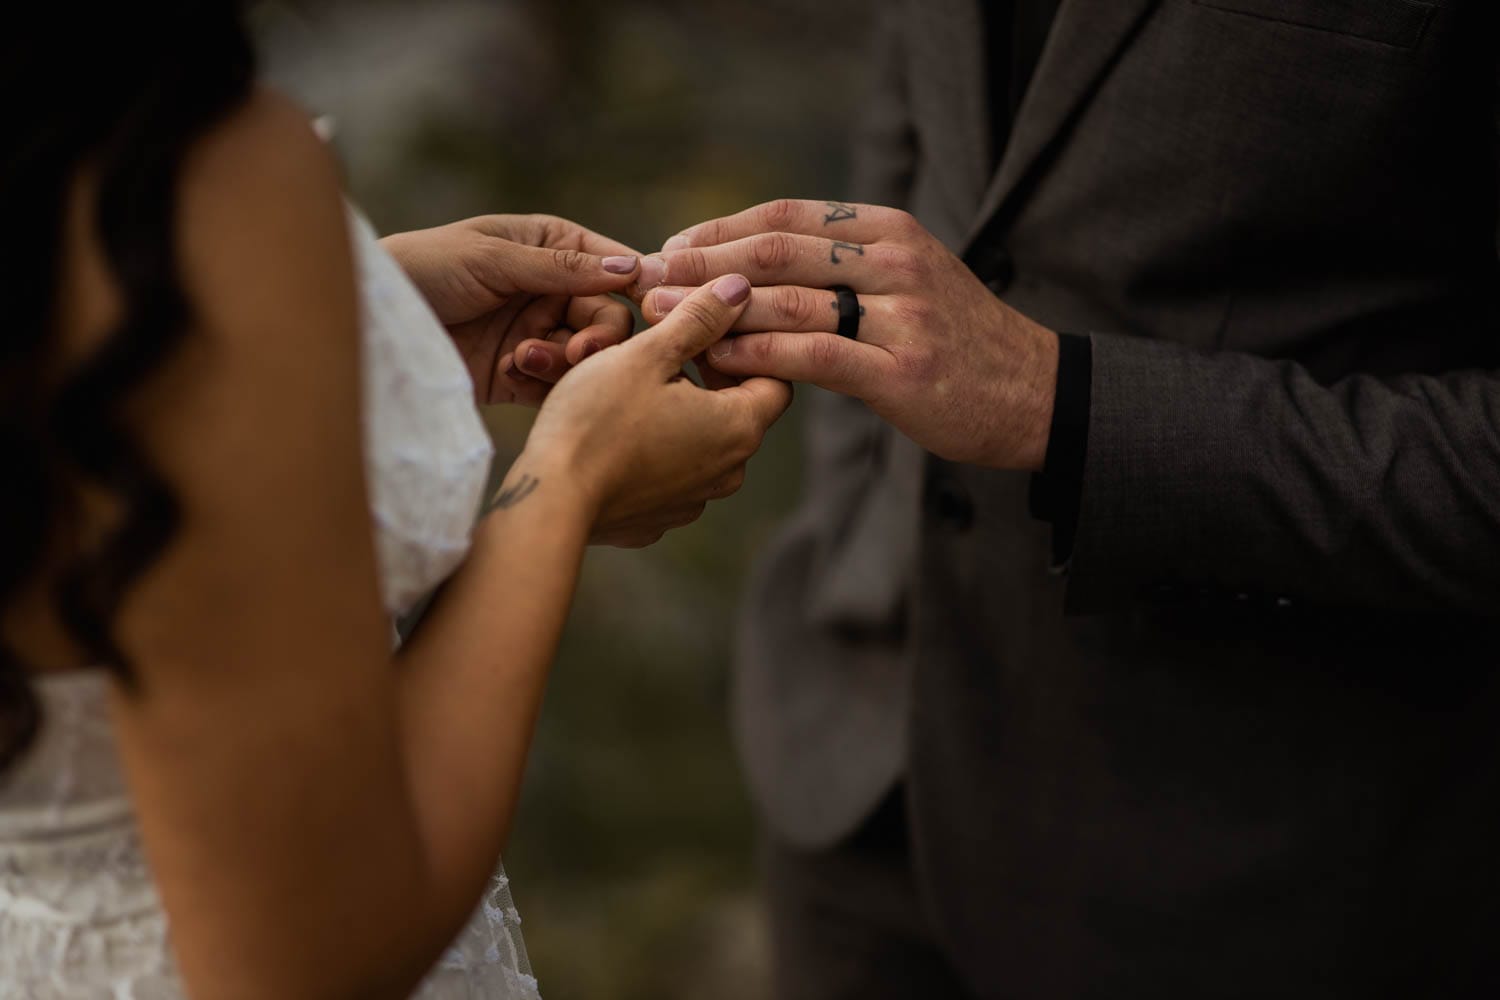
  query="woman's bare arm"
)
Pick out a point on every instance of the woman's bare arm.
point(266, 745)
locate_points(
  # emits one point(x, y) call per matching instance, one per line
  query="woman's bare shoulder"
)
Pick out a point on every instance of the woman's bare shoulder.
point(261, 200)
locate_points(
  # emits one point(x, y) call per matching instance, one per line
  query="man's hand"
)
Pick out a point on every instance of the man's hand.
point(525, 297)
point(938, 354)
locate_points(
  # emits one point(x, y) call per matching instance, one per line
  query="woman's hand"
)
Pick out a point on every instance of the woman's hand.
point(525, 297)
point(648, 447)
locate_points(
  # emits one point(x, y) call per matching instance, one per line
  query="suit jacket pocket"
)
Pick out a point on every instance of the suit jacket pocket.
point(1398, 23)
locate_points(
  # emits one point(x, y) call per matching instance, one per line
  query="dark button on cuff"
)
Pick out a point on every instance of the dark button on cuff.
point(950, 505)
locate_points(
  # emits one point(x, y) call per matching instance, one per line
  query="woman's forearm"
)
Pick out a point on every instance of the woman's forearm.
point(472, 680)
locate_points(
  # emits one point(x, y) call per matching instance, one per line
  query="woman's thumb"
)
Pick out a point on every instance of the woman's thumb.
point(701, 320)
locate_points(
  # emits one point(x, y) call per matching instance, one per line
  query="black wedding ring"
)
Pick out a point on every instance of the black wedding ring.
point(849, 312)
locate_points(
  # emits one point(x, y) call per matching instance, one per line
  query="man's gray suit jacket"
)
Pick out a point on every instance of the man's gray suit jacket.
point(1247, 743)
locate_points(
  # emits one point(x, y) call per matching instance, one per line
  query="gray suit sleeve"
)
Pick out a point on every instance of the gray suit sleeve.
point(1235, 474)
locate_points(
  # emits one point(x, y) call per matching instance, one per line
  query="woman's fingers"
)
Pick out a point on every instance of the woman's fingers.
point(507, 268)
point(646, 530)
point(729, 485)
point(544, 340)
point(831, 219)
point(543, 360)
point(532, 338)
point(600, 321)
point(549, 231)
point(512, 385)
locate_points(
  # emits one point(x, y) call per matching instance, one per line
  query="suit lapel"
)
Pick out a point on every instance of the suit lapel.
point(1085, 40)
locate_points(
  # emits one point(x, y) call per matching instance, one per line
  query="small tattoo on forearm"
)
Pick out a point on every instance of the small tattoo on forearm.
point(839, 213)
point(835, 305)
point(510, 496)
point(854, 248)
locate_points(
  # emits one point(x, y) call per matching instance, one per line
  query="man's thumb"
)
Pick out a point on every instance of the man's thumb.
point(701, 320)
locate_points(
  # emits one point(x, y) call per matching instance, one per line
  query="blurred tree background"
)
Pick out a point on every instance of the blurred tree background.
point(633, 856)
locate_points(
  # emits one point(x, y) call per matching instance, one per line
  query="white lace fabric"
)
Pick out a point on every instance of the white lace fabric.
point(79, 916)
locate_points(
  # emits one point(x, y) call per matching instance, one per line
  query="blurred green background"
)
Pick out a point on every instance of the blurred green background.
point(633, 856)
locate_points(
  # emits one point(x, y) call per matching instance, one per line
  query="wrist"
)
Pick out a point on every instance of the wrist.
point(1038, 390)
point(557, 477)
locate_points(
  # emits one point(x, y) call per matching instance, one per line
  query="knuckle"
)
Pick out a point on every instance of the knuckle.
point(546, 229)
point(904, 223)
point(742, 430)
point(914, 313)
point(903, 264)
point(779, 215)
point(773, 251)
point(916, 363)
point(751, 442)
point(761, 350)
point(826, 354)
point(706, 234)
point(572, 261)
point(790, 307)
point(696, 312)
point(687, 267)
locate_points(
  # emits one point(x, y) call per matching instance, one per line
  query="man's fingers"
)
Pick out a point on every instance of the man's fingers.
point(702, 319)
point(784, 259)
point(824, 359)
point(507, 268)
point(835, 220)
point(779, 308)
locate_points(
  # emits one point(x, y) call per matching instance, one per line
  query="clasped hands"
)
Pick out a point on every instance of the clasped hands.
point(527, 300)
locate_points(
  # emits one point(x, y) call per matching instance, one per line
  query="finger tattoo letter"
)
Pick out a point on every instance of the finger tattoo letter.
point(839, 212)
point(854, 248)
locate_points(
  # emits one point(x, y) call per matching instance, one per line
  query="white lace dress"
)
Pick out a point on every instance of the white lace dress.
point(79, 917)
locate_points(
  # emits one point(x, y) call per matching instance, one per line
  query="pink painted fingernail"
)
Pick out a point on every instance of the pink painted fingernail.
point(536, 361)
point(667, 299)
point(653, 273)
point(721, 350)
point(678, 242)
point(732, 289)
point(590, 348)
point(619, 265)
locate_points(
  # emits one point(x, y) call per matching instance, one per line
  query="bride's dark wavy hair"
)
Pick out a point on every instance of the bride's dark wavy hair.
point(122, 91)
